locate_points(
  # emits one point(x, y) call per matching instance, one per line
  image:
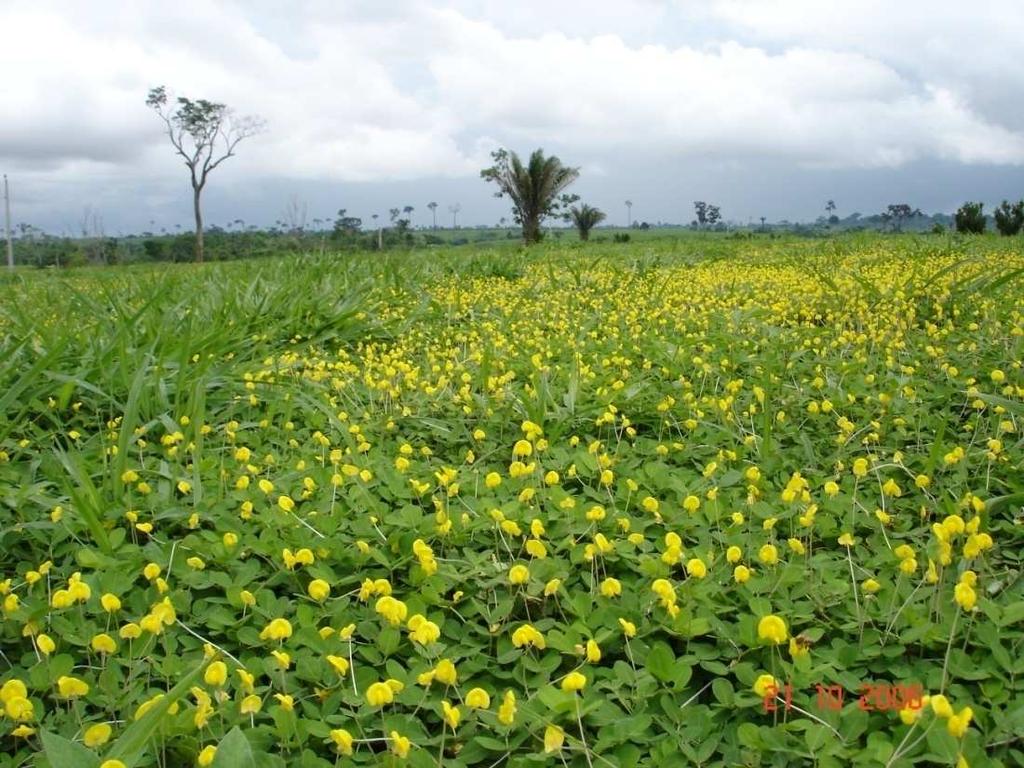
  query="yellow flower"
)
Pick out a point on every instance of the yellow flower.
point(551, 587)
point(611, 587)
point(277, 629)
point(13, 689)
point(628, 628)
point(19, 709)
point(250, 705)
point(535, 548)
point(890, 488)
point(768, 554)
point(957, 724)
point(423, 631)
point(478, 698)
point(71, 687)
point(773, 629)
point(391, 609)
point(696, 568)
point(764, 684)
point(909, 715)
point(400, 745)
point(860, 467)
point(379, 694)
point(216, 674)
point(104, 643)
point(965, 596)
point(112, 764)
point(339, 663)
point(741, 574)
point(941, 706)
point(593, 651)
point(287, 702)
point(342, 740)
point(206, 756)
point(111, 603)
point(554, 737)
point(519, 574)
point(319, 590)
point(97, 735)
point(528, 635)
point(733, 554)
point(871, 586)
point(507, 709)
point(691, 503)
point(846, 540)
point(283, 659)
point(574, 681)
point(451, 714)
point(45, 644)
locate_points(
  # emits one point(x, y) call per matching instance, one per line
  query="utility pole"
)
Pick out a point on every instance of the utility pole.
point(7, 224)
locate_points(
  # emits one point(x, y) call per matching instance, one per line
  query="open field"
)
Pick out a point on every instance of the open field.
point(575, 506)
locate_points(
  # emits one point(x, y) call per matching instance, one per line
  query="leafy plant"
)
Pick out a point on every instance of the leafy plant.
point(970, 218)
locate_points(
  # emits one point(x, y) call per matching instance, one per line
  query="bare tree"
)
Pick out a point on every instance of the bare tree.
point(295, 215)
point(205, 134)
point(897, 213)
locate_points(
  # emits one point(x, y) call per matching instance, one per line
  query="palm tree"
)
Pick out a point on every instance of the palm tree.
point(629, 214)
point(433, 209)
point(454, 211)
point(533, 188)
point(585, 218)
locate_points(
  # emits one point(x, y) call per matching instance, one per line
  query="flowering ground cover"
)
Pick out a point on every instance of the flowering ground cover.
point(719, 503)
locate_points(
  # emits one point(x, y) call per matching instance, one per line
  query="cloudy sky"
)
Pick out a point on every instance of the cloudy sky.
point(766, 107)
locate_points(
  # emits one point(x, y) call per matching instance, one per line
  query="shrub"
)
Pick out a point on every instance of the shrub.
point(970, 219)
point(1010, 218)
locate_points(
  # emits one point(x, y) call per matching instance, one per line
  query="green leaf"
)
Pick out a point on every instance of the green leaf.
point(661, 662)
point(234, 751)
point(131, 745)
point(60, 752)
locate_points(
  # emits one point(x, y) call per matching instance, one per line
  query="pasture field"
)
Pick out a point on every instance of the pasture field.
point(710, 502)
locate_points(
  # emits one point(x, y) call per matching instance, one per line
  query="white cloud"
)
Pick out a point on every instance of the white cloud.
point(815, 106)
point(967, 48)
point(363, 91)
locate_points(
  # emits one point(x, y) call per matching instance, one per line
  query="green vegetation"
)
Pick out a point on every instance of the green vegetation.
point(506, 507)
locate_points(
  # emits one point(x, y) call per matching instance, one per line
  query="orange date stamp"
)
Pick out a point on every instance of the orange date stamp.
point(873, 697)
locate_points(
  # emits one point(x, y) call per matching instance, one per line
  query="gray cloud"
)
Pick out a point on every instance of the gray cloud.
point(368, 101)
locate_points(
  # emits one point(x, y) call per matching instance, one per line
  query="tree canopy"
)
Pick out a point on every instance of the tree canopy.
point(535, 188)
